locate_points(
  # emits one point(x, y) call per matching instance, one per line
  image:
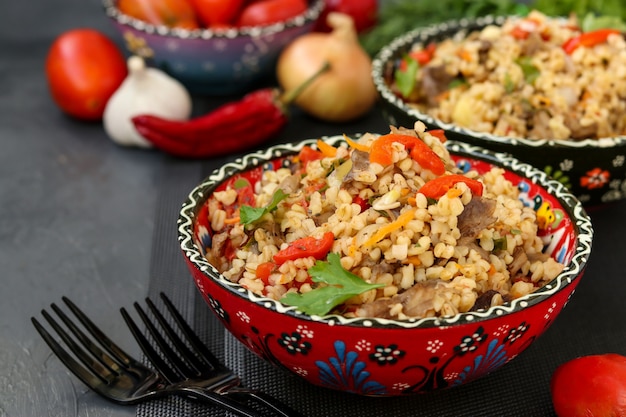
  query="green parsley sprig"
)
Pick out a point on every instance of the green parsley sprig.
point(249, 215)
point(341, 285)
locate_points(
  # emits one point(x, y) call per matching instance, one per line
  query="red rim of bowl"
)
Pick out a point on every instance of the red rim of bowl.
point(460, 28)
point(571, 205)
point(310, 15)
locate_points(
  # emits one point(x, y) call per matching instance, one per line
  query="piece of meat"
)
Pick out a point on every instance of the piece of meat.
point(483, 50)
point(435, 80)
point(290, 183)
point(417, 301)
point(519, 259)
point(540, 122)
point(477, 215)
point(533, 44)
point(483, 301)
point(216, 254)
point(579, 131)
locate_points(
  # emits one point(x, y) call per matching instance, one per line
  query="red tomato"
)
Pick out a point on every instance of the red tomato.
point(363, 12)
point(217, 13)
point(83, 69)
point(590, 386)
point(304, 247)
point(266, 12)
point(172, 13)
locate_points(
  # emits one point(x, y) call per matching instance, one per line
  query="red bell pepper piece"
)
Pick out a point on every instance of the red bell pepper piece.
point(424, 56)
point(588, 39)
point(363, 203)
point(439, 134)
point(437, 187)
point(381, 152)
point(306, 246)
point(264, 270)
point(308, 154)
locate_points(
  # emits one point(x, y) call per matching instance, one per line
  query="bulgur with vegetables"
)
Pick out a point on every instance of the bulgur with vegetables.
point(379, 226)
point(535, 77)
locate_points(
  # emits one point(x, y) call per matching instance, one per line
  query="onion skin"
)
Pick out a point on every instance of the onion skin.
point(343, 93)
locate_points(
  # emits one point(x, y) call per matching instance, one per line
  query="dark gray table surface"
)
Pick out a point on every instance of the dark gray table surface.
point(76, 213)
point(77, 216)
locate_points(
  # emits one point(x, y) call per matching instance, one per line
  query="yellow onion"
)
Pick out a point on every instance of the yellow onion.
point(344, 92)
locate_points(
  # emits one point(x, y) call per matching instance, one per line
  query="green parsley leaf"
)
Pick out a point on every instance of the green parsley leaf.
point(341, 286)
point(406, 78)
point(509, 85)
point(531, 72)
point(249, 215)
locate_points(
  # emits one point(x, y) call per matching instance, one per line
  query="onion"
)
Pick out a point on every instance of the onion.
point(344, 92)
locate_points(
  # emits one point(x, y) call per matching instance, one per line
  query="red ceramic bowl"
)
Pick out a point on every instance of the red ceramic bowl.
point(380, 357)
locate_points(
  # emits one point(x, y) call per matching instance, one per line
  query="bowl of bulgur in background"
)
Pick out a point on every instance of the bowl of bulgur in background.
point(349, 262)
point(535, 87)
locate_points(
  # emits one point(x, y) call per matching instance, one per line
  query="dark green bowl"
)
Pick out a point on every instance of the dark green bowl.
point(594, 170)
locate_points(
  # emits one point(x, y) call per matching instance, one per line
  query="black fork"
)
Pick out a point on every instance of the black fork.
point(181, 357)
point(111, 372)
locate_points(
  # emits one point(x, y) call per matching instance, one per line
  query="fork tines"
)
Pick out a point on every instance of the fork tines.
point(102, 360)
point(178, 354)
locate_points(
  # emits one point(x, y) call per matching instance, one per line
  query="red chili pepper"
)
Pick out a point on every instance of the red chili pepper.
point(232, 127)
point(437, 187)
point(382, 150)
point(588, 39)
point(304, 247)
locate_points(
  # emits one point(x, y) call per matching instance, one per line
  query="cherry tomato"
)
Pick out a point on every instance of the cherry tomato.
point(304, 247)
point(217, 13)
point(363, 12)
point(83, 69)
point(172, 13)
point(590, 386)
point(266, 12)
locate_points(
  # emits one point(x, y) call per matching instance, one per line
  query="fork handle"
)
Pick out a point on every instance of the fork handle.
point(237, 407)
point(280, 408)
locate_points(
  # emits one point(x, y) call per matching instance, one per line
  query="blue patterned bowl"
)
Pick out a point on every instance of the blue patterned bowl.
point(382, 357)
point(594, 170)
point(213, 62)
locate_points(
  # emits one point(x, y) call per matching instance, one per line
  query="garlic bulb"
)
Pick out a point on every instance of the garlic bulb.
point(144, 91)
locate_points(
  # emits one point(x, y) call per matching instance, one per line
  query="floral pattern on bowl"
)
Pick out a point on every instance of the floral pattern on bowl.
point(381, 357)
